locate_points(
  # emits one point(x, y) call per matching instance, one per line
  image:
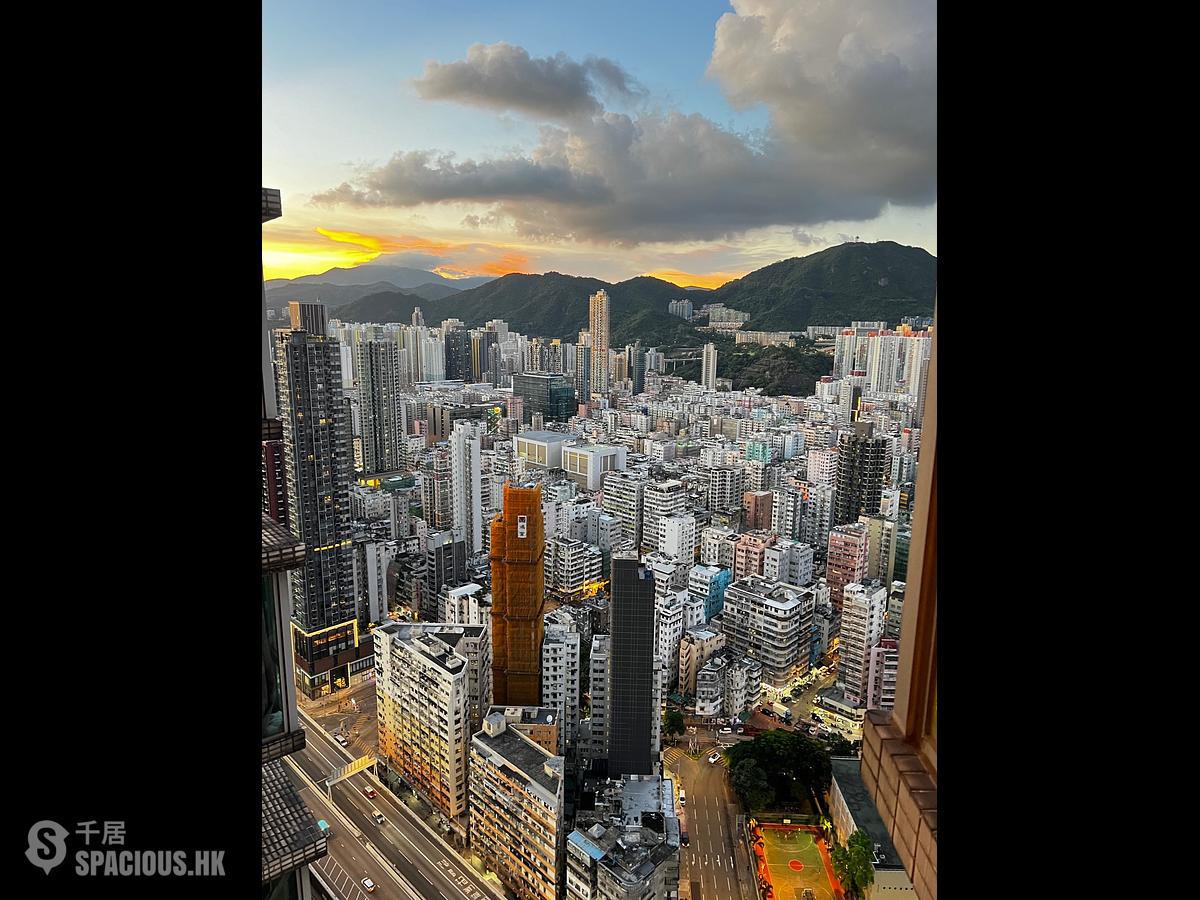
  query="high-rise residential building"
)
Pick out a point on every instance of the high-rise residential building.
point(624, 497)
point(845, 560)
point(548, 395)
point(593, 730)
point(466, 483)
point(582, 380)
point(895, 611)
point(418, 319)
point(881, 675)
point(445, 566)
point(709, 583)
point(598, 313)
point(627, 848)
point(677, 536)
point(437, 488)
point(864, 470)
point(863, 607)
point(291, 839)
point(787, 512)
point(757, 506)
point(789, 562)
point(330, 629)
point(708, 368)
point(749, 553)
point(571, 564)
point(384, 428)
point(517, 810)
point(422, 690)
point(635, 358)
point(903, 542)
point(670, 622)
point(881, 547)
point(458, 353)
point(772, 623)
point(729, 684)
point(660, 499)
point(633, 711)
point(718, 544)
point(518, 597)
point(561, 658)
point(725, 487)
point(822, 464)
point(695, 650)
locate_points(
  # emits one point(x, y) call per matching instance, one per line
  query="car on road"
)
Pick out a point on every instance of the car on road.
point(767, 713)
point(377, 816)
point(715, 756)
point(726, 731)
point(682, 797)
point(741, 730)
point(369, 886)
point(341, 740)
point(370, 792)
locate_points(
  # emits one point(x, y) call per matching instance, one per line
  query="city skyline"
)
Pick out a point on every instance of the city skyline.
point(527, 143)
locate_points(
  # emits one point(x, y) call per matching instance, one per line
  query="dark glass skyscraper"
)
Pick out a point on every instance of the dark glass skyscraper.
point(631, 668)
point(329, 635)
point(458, 354)
point(551, 395)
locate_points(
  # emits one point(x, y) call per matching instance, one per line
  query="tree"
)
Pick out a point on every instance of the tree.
point(751, 784)
point(674, 723)
point(841, 747)
point(854, 864)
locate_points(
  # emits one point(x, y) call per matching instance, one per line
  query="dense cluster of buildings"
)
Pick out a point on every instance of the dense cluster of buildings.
point(533, 544)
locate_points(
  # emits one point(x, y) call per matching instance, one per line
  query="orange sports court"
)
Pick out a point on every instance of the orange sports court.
point(793, 863)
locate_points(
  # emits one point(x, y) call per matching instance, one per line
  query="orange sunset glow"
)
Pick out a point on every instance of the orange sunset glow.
point(313, 252)
point(686, 279)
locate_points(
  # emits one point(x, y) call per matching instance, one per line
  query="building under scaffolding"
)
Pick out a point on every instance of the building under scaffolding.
point(518, 597)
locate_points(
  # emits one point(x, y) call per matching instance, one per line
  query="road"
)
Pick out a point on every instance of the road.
point(713, 866)
point(433, 869)
point(348, 861)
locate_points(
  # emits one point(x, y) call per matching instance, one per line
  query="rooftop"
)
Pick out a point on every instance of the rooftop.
point(521, 756)
point(848, 778)
point(545, 437)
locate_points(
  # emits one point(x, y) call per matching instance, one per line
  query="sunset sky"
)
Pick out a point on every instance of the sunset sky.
point(691, 140)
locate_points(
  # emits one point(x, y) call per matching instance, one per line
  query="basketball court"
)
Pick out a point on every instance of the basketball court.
point(794, 861)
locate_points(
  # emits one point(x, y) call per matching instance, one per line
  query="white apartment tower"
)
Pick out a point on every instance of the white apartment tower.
point(661, 499)
point(560, 674)
point(708, 371)
point(466, 478)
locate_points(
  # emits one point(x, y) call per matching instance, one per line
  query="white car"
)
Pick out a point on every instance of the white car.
point(341, 740)
point(369, 885)
point(714, 757)
point(726, 731)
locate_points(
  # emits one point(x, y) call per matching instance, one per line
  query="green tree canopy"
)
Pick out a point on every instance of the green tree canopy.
point(751, 784)
point(854, 864)
point(673, 723)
